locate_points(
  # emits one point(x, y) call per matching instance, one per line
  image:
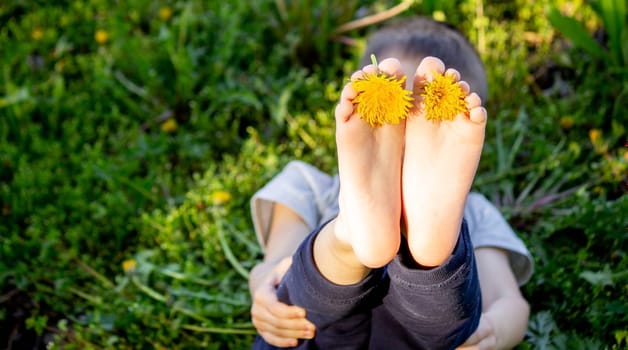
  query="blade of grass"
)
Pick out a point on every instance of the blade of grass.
point(183, 277)
point(575, 31)
point(521, 129)
point(104, 280)
point(225, 247)
point(208, 297)
point(148, 291)
point(613, 13)
point(217, 330)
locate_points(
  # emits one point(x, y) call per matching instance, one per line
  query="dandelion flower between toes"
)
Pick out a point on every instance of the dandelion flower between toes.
point(381, 98)
point(443, 98)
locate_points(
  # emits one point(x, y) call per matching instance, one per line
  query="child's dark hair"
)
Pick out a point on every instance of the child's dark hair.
point(418, 37)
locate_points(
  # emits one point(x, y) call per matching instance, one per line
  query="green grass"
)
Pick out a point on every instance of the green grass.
point(147, 146)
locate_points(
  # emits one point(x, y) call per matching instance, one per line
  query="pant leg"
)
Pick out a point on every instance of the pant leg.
point(429, 309)
point(342, 314)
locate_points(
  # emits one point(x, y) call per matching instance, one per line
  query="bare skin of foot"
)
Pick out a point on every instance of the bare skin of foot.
point(366, 232)
point(440, 161)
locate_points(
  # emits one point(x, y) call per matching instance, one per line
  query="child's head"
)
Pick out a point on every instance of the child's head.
point(410, 40)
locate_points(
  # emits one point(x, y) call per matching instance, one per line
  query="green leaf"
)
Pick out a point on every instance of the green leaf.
point(575, 31)
point(18, 96)
point(624, 49)
point(613, 14)
point(621, 337)
point(600, 278)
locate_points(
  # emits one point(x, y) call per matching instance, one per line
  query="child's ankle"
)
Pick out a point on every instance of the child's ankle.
point(335, 258)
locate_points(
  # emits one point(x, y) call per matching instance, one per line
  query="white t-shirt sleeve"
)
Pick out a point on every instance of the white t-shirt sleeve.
point(299, 186)
point(488, 228)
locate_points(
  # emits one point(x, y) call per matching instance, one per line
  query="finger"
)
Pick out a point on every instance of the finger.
point(283, 266)
point(281, 310)
point(265, 321)
point(293, 330)
point(266, 297)
point(281, 342)
point(473, 340)
point(483, 331)
point(268, 309)
point(468, 347)
point(488, 343)
point(281, 315)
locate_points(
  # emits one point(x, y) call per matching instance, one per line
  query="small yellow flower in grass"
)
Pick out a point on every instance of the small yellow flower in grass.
point(37, 34)
point(165, 13)
point(220, 197)
point(101, 36)
point(443, 98)
point(381, 98)
point(169, 126)
point(599, 145)
point(129, 265)
point(594, 135)
point(566, 122)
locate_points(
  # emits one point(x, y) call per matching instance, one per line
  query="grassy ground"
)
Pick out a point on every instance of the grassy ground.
point(132, 136)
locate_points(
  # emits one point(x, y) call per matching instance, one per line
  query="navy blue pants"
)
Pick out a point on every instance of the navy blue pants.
point(394, 308)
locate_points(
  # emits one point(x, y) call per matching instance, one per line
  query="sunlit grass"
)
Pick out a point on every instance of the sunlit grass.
point(132, 137)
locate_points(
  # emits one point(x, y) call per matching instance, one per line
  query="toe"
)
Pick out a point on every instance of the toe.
point(391, 66)
point(370, 69)
point(357, 75)
point(429, 66)
point(426, 70)
point(455, 73)
point(473, 100)
point(344, 110)
point(464, 86)
point(348, 93)
point(478, 115)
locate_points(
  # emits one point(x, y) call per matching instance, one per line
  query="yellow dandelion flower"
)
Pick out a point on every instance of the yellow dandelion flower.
point(220, 197)
point(101, 36)
point(566, 122)
point(439, 16)
point(443, 98)
point(169, 126)
point(165, 13)
point(594, 135)
point(381, 98)
point(129, 265)
point(37, 34)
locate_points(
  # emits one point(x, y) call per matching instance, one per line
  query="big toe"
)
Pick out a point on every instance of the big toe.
point(426, 70)
point(391, 66)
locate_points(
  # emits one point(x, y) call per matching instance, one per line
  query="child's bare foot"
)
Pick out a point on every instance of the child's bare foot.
point(369, 165)
point(440, 161)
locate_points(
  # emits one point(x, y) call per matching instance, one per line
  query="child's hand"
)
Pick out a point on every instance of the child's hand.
point(279, 324)
point(483, 338)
